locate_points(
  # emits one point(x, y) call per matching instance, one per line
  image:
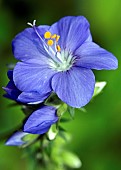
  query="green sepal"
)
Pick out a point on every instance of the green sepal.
point(65, 120)
point(71, 111)
point(82, 109)
point(53, 100)
point(62, 109)
point(29, 139)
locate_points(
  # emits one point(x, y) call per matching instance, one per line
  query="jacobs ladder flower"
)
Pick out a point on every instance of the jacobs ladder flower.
point(59, 58)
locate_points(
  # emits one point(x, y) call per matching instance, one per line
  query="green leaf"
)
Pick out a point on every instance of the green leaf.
point(71, 160)
point(64, 120)
point(61, 129)
point(99, 86)
point(71, 111)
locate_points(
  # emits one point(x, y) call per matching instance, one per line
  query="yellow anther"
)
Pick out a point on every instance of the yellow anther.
point(53, 36)
point(58, 48)
point(57, 38)
point(47, 35)
point(50, 42)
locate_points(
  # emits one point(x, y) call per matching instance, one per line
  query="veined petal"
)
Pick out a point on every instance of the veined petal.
point(32, 77)
point(73, 31)
point(32, 97)
point(75, 87)
point(94, 57)
point(27, 45)
point(40, 121)
point(54, 28)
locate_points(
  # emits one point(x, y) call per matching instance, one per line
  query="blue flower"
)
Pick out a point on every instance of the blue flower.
point(13, 93)
point(40, 121)
point(16, 139)
point(60, 58)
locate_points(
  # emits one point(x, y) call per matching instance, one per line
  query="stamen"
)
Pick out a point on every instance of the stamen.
point(57, 38)
point(50, 42)
point(58, 48)
point(47, 35)
point(53, 36)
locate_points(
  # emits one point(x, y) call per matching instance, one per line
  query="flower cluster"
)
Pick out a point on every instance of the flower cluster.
point(55, 59)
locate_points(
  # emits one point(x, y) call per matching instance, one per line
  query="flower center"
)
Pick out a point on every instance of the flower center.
point(62, 60)
point(59, 60)
point(64, 63)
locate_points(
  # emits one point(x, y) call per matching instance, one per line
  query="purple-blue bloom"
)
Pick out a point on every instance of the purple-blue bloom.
point(40, 121)
point(59, 58)
point(13, 93)
point(16, 139)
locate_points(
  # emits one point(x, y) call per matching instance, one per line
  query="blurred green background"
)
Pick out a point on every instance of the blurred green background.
point(97, 133)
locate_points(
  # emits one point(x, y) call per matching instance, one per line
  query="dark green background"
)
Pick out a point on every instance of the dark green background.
point(97, 133)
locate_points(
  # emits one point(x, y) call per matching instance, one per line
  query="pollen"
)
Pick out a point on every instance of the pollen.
point(58, 48)
point(50, 42)
point(57, 38)
point(53, 36)
point(47, 35)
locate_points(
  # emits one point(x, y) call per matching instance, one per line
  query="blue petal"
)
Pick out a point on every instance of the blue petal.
point(32, 97)
point(27, 45)
point(75, 87)
point(94, 57)
point(16, 139)
point(33, 77)
point(73, 31)
point(11, 89)
point(10, 74)
point(11, 93)
point(40, 121)
point(54, 29)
